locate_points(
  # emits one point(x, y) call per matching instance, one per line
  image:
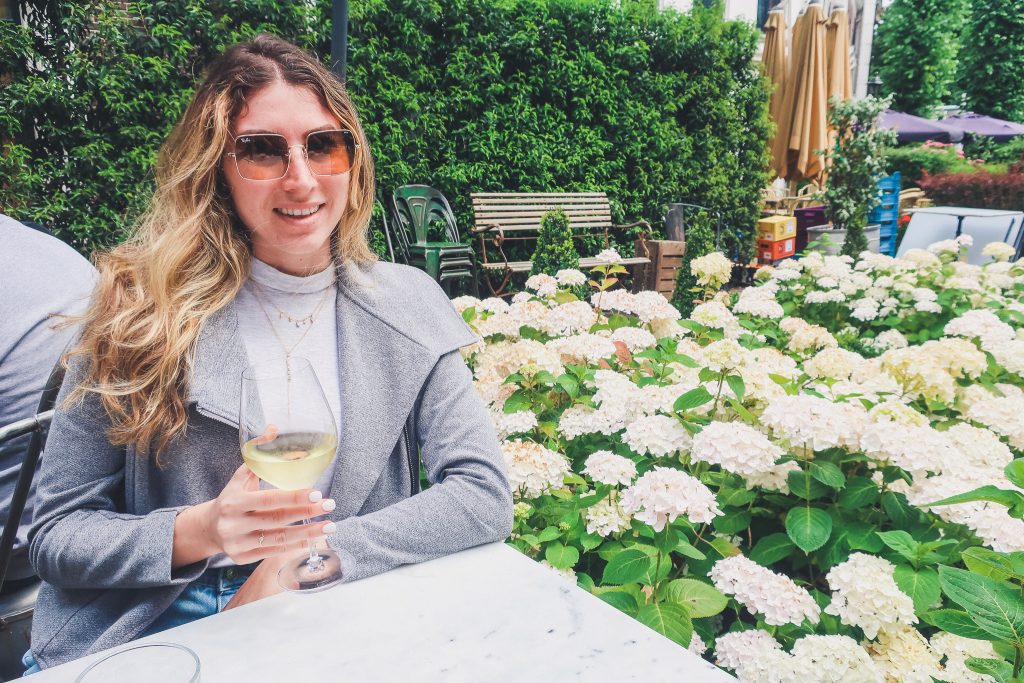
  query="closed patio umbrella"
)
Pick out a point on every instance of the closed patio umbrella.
point(774, 60)
point(837, 49)
point(803, 128)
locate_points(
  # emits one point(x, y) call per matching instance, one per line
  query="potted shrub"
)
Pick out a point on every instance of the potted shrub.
point(856, 163)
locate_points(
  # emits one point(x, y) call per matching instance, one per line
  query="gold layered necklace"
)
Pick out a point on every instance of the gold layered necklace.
point(311, 318)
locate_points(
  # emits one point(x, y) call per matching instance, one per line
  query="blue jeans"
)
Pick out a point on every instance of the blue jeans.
point(207, 595)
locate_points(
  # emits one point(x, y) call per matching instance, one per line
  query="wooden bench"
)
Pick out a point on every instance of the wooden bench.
point(501, 217)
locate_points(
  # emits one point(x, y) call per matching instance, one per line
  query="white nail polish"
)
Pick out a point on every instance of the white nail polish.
point(330, 528)
point(329, 505)
point(315, 496)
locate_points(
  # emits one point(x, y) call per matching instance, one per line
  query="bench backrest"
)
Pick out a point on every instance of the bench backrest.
point(522, 211)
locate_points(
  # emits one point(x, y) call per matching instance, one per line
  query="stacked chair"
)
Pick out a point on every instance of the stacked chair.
point(414, 208)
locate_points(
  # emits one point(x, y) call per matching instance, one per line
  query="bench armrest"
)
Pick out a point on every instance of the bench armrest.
point(645, 234)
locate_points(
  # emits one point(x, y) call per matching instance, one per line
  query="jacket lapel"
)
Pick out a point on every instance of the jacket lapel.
point(217, 370)
point(381, 372)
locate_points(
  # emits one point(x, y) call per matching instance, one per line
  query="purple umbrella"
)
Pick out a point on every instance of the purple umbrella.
point(976, 124)
point(911, 128)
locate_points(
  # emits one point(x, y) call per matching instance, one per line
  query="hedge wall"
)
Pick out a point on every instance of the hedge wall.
point(467, 95)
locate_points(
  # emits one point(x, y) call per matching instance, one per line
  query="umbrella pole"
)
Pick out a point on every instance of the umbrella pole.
point(339, 37)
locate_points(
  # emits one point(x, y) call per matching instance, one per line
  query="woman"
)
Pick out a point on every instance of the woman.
point(254, 247)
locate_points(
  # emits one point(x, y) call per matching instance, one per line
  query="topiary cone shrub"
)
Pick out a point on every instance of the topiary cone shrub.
point(700, 241)
point(555, 250)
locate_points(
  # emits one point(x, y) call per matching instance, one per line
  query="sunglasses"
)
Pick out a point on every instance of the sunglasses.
point(267, 156)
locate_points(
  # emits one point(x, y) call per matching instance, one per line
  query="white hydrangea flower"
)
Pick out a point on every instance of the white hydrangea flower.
point(606, 517)
point(620, 300)
point(697, 645)
point(815, 423)
point(804, 337)
point(759, 302)
point(923, 259)
point(918, 450)
point(979, 447)
point(865, 309)
point(833, 363)
point(635, 338)
point(502, 359)
point(763, 591)
point(650, 306)
point(570, 277)
point(865, 594)
point(608, 257)
point(904, 656)
point(494, 394)
point(608, 468)
point(656, 435)
point(999, 251)
point(775, 479)
point(530, 312)
point(461, 303)
point(494, 305)
point(712, 270)
point(1004, 415)
point(573, 317)
point(985, 325)
point(725, 354)
point(945, 247)
point(497, 323)
point(520, 297)
point(576, 421)
point(663, 494)
point(824, 297)
point(715, 314)
point(581, 349)
point(519, 422)
point(900, 413)
point(542, 284)
point(736, 447)
point(889, 339)
point(666, 327)
point(739, 650)
point(957, 649)
point(533, 469)
point(832, 659)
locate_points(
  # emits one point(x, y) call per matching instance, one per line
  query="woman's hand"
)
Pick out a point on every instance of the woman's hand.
point(262, 583)
point(249, 524)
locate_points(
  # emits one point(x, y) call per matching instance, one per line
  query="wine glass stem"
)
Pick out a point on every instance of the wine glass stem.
point(315, 562)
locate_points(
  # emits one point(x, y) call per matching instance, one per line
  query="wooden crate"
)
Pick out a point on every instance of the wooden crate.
point(660, 274)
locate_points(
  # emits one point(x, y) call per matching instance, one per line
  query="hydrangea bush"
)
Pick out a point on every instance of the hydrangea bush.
point(763, 481)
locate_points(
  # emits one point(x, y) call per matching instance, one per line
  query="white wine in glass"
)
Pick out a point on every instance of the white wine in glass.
point(289, 438)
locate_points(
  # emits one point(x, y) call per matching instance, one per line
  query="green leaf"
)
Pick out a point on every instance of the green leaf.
point(898, 509)
point(993, 605)
point(590, 541)
point(956, 622)
point(804, 486)
point(548, 534)
point(584, 581)
point(561, 556)
point(520, 400)
point(809, 528)
point(992, 494)
point(693, 399)
point(901, 542)
point(668, 619)
point(686, 549)
point(990, 563)
point(619, 599)
point(771, 549)
point(627, 566)
point(998, 669)
point(739, 388)
point(570, 385)
point(700, 599)
point(922, 586)
point(732, 522)
point(1015, 472)
point(828, 474)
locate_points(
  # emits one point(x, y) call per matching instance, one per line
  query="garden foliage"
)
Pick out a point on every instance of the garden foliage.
point(856, 164)
point(555, 249)
point(992, 58)
point(701, 239)
point(770, 479)
point(980, 189)
point(467, 96)
point(94, 89)
point(915, 51)
point(912, 162)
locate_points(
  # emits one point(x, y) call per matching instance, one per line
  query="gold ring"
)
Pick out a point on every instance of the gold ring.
point(260, 544)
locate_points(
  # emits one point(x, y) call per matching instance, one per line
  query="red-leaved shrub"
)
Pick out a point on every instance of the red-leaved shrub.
point(979, 190)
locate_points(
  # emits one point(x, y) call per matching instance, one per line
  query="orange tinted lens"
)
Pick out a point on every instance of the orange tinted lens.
point(261, 156)
point(330, 152)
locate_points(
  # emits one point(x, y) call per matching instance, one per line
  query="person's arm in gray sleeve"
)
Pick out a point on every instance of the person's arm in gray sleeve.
point(469, 501)
point(79, 537)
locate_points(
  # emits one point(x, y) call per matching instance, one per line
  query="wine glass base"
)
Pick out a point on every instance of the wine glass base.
point(298, 578)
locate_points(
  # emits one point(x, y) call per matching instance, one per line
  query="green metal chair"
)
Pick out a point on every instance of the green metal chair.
point(414, 209)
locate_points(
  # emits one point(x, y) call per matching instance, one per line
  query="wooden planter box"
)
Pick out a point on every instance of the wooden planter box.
point(660, 274)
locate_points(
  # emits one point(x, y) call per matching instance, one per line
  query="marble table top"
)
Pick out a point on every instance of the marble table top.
point(487, 614)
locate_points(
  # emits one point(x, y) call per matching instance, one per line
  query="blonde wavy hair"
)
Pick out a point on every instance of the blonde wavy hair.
point(189, 253)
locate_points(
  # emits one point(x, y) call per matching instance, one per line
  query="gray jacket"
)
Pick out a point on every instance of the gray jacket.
point(103, 529)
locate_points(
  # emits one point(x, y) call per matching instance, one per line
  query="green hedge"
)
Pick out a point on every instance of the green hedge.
point(467, 95)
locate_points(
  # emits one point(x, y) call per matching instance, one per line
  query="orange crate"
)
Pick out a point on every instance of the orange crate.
point(769, 251)
point(776, 228)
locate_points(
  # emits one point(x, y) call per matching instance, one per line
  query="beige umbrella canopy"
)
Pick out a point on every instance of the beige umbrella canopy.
point(773, 59)
point(803, 129)
point(837, 49)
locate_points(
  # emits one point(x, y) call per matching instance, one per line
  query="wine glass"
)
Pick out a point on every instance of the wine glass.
point(289, 438)
point(155, 662)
